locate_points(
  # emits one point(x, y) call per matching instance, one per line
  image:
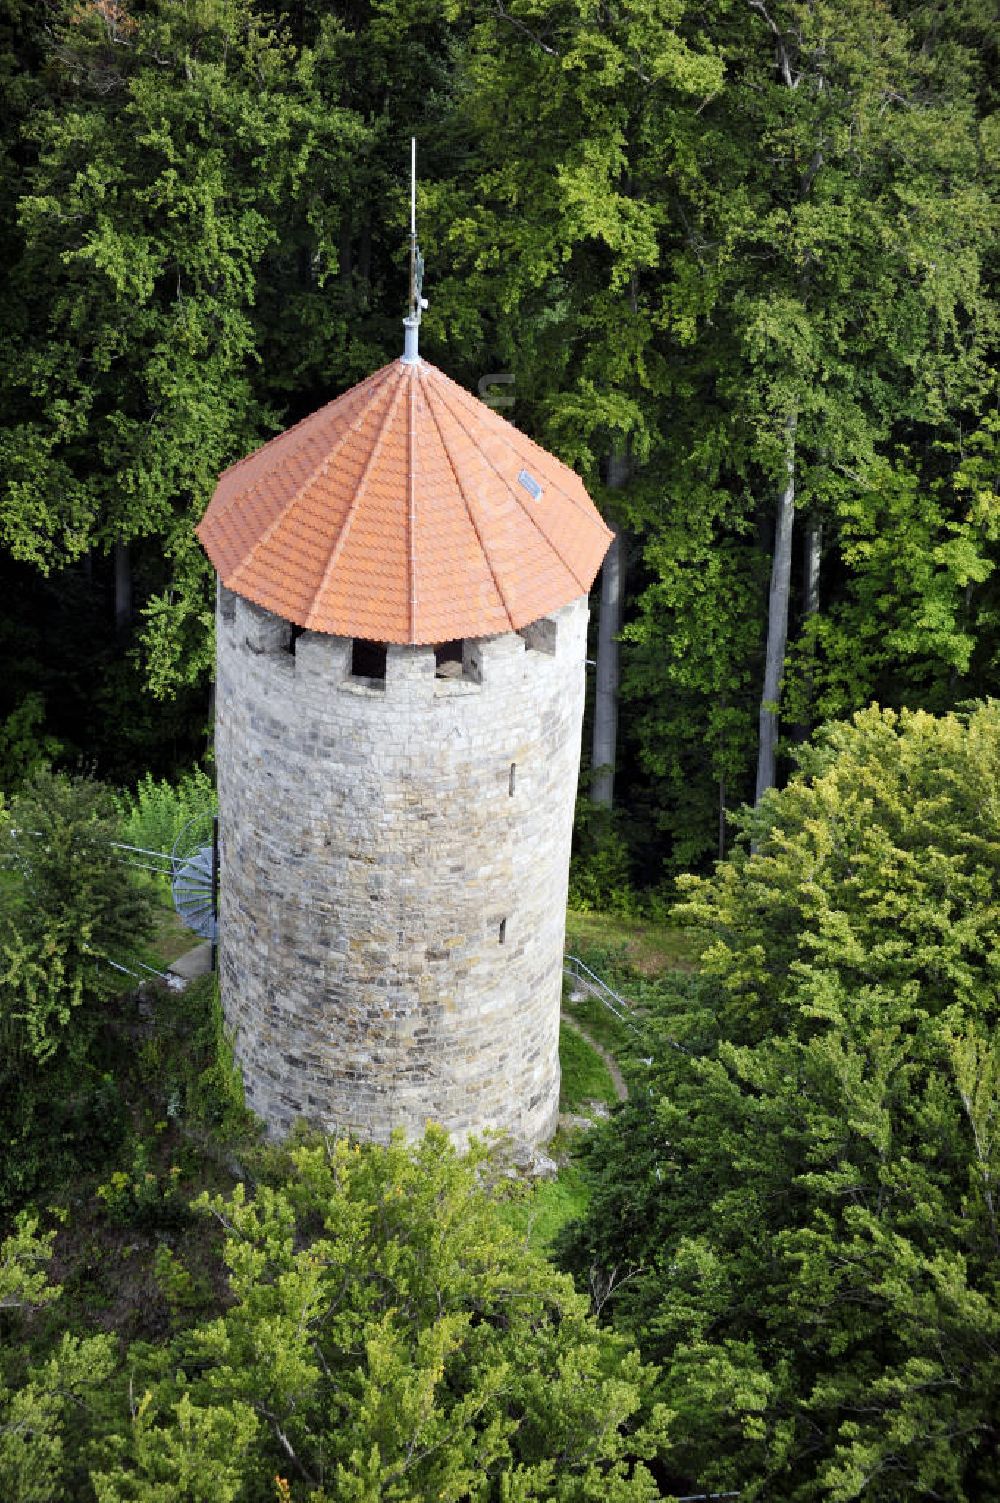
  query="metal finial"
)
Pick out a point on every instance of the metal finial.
point(411, 323)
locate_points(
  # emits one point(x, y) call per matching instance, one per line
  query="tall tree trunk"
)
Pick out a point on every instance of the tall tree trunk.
point(810, 608)
point(123, 588)
point(777, 620)
point(365, 261)
point(810, 567)
point(605, 739)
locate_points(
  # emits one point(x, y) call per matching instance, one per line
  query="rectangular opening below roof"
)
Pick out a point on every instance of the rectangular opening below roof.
point(368, 661)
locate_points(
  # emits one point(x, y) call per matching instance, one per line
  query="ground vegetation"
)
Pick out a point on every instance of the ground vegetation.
point(737, 265)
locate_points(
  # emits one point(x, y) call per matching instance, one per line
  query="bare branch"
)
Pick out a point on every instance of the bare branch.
point(603, 1286)
point(504, 15)
point(781, 50)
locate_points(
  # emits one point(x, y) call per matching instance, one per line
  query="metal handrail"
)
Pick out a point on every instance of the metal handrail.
point(575, 964)
point(574, 967)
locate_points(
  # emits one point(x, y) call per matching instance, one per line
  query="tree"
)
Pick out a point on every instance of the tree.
point(696, 643)
point(45, 1407)
point(163, 167)
point(809, 1186)
point(75, 909)
point(824, 308)
point(389, 1336)
point(563, 243)
point(204, 203)
point(72, 913)
point(844, 302)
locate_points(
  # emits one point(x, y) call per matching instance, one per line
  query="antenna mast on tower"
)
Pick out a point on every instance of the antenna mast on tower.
point(414, 308)
point(418, 302)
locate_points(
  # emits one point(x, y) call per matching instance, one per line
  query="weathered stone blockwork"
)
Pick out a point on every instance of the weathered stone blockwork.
point(394, 866)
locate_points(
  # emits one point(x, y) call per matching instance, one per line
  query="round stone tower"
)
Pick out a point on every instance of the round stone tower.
point(402, 617)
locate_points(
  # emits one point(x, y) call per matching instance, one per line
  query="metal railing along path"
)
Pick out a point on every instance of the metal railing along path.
point(578, 971)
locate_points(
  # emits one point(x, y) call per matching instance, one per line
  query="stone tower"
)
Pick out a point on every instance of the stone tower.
point(402, 615)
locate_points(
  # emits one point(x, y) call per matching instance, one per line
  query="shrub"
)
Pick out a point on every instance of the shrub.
point(153, 815)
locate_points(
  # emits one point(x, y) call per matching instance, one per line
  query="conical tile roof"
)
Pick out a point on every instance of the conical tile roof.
point(405, 511)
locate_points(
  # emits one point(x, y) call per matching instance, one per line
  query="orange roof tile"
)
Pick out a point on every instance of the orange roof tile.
point(405, 511)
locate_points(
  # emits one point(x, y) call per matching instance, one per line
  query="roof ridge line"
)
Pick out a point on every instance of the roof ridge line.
point(352, 510)
point(243, 496)
point(475, 525)
point(536, 447)
point(287, 432)
point(518, 502)
point(411, 515)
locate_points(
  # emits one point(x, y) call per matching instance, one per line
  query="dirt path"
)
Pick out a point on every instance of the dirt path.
point(610, 1063)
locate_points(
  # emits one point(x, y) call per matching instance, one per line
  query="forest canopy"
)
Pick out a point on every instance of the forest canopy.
point(737, 264)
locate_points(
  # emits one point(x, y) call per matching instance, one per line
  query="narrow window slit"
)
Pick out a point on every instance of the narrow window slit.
point(503, 931)
point(513, 774)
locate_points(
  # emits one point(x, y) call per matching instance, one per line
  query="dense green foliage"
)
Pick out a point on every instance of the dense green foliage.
point(386, 1334)
point(736, 247)
point(71, 913)
point(793, 1217)
point(808, 1187)
point(158, 811)
point(748, 252)
point(40, 1400)
point(391, 1338)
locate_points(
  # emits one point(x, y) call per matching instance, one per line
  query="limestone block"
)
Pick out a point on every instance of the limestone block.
point(373, 843)
point(410, 668)
point(324, 658)
point(261, 631)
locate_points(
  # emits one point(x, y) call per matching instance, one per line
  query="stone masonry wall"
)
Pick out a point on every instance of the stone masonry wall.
point(394, 865)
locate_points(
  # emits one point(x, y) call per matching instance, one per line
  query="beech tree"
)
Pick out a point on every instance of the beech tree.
point(805, 1189)
point(164, 157)
point(389, 1336)
point(564, 242)
point(836, 232)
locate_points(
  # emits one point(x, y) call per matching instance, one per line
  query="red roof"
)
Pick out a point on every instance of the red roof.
point(405, 511)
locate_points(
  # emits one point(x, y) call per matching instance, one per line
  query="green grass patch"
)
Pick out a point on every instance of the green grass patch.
point(585, 1076)
point(170, 939)
point(644, 946)
point(604, 1028)
point(547, 1207)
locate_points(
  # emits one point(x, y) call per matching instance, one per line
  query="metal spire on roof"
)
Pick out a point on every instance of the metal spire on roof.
point(411, 323)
